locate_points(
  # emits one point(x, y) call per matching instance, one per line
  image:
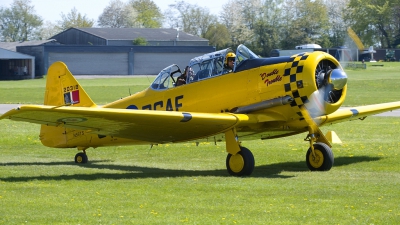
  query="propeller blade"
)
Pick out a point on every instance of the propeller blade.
point(317, 100)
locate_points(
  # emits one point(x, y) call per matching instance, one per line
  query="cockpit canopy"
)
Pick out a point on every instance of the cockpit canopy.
point(167, 78)
point(201, 67)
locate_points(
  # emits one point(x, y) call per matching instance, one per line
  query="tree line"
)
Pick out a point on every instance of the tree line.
point(262, 25)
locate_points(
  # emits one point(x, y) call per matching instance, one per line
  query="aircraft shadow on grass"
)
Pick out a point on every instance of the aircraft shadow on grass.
point(137, 172)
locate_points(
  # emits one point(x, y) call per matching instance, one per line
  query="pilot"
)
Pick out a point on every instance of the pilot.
point(229, 62)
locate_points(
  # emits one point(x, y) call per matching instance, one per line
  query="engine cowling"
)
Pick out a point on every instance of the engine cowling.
point(317, 81)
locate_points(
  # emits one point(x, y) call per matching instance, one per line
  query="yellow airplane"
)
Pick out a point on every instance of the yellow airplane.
point(260, 98)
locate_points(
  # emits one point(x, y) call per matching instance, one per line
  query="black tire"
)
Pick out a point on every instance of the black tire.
point(324, 157)
point(81, 158)
point(241, 164)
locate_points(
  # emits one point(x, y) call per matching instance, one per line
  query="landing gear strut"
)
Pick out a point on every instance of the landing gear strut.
point(319, 156)
point(240, 160)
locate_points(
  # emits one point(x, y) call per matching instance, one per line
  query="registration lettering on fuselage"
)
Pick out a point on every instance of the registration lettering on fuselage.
point(170, 104)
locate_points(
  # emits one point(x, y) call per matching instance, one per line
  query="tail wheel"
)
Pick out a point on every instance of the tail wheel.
point(240, 164)
point(323, 159)
point(81, 158)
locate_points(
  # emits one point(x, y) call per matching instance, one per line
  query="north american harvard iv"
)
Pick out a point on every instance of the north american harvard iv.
point(260, 98)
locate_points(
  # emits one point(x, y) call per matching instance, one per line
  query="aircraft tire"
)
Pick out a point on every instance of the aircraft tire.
point(241, 164)
point(81, 158)
point(324, 157)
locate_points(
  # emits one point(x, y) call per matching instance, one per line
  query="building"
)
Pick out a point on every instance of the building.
point(111, 51)
point(126, 36)
point(15, 65)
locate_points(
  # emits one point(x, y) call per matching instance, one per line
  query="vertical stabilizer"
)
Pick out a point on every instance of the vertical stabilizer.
point(62, 89)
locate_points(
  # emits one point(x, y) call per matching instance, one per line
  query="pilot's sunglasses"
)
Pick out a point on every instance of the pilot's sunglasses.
point(233, 60)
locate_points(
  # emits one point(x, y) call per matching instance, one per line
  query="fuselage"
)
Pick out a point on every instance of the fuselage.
point(255, 81)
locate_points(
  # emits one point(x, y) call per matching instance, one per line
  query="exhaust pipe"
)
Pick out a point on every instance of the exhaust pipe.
point(263, 105)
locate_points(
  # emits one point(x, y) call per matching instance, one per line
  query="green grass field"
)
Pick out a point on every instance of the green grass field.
point(189, 184)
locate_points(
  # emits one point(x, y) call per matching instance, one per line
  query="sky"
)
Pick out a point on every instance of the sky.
point(50, 10)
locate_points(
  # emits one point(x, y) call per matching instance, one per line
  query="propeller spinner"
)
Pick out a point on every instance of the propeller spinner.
point(330, 83)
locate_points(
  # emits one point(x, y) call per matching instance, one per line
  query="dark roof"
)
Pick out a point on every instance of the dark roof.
point(150, 34)
point(12, 46)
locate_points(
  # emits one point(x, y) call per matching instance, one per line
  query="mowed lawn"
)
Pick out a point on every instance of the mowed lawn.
point(189, 184)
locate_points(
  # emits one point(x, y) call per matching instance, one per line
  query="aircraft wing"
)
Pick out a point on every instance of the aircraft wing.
point(360, 112)
point(144, 125)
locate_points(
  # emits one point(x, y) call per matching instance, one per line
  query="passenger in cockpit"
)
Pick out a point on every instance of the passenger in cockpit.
point(182, 78)
point(229, 62)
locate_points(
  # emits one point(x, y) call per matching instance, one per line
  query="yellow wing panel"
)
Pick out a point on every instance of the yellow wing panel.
point(144, 125)
point(359, 112)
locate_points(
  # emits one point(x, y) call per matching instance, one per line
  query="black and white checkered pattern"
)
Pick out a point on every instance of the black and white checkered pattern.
point(294, 85)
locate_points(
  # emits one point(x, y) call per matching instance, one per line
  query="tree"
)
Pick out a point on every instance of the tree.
point(19, 23)
point(74, 19)
point(375, 21)
point(232, 17)
point(190, 18)
point(148, 14)
point(117, 15)
point(172, 17)
point(47, 30)
point(176, 16)
point(218, 36)
point(396, 24)
point(338, 26)
point(204, 20)
point(140, 41)
point(267, 27)
point(305, 21)
point(252, 11)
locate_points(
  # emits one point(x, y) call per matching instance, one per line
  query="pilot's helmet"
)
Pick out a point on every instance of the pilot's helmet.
point(230, 55)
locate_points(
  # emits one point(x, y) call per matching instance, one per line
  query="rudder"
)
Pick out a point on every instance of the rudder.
point(62, 89)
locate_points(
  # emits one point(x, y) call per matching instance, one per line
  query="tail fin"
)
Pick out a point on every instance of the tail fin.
point(62, 89)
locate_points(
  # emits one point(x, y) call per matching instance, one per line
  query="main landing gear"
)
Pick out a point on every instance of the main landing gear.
point(240, 164)
point(319, 156)
point(322, 159)
point(240, 160)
